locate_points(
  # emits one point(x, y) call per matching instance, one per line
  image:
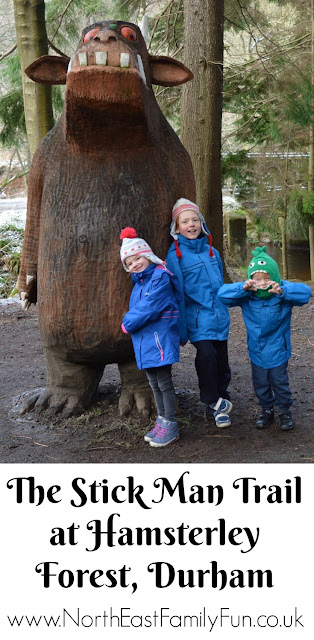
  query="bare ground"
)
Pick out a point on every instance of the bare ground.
point(100, 435)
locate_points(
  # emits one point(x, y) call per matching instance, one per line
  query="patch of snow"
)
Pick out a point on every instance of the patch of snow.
point(229, 202)
point(13, 211)
point(14, 300)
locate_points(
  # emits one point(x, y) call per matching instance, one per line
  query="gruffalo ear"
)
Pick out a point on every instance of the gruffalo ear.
point(168, 72)
point(48, 70)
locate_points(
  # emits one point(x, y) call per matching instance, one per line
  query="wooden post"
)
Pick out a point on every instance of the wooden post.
point(236, 238)
point(282, 227)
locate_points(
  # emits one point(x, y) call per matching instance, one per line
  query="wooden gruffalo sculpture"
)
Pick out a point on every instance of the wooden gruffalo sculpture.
point(111, 161)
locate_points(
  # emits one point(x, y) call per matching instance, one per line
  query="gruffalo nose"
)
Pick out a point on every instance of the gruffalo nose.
point(105, 35)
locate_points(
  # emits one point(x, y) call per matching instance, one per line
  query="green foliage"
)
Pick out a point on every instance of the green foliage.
point(300, 211)
point(271, 223)
point(166, 29)
point(64, 27)
point(271, 99)
point(299, 105)
point(128, 10)
point(239, 213)
point(12, 121)
point(239, 14)
point(166, 38)
point(308, 206)
point(11, 240)
point(261, 223)
point(238, 167)
point(246, 94)
point(270, 92)
point(57, 100)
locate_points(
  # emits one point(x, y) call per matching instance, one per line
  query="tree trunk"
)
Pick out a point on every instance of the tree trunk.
point(32, 43)
point(311, 158)
point(311, 242)
point(201, 106)
point(283, 228)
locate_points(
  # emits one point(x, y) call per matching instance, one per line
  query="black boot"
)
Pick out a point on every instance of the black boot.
point(264, 420)
point(286, 422)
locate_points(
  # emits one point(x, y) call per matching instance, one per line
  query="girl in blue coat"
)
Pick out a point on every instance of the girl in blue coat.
point(203, 319)
point(266, 302)
point(153, 322)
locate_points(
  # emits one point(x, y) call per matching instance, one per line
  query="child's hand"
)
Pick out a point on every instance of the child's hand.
point(123, 328)
point(249, 286)
point(275, 288)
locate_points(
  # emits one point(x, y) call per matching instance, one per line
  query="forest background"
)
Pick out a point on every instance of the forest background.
point(246, 119)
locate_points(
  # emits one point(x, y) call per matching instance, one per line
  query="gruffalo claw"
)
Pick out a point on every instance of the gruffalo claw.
point(135, 391)
point(142, 401)
point(51, 403)
point(25, 403)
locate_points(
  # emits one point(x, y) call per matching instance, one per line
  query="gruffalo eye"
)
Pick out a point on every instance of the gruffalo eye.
point(129, 33)
point(90, 35)
point(261, 262)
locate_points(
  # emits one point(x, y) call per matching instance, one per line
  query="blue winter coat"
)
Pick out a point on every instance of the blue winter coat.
point(153, 317)
point(202, 316)
point(267, 320)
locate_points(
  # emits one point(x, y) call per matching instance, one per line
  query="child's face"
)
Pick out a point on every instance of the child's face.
point(137, 263)
point(188, 224)
point(261, 279)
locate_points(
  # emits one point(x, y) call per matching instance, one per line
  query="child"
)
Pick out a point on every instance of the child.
point(266, 302)
point(152, 321)
point(203, 319)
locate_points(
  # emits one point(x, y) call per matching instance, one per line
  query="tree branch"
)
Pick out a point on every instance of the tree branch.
point(8, 53)
point(61, 19)
point(52, 46)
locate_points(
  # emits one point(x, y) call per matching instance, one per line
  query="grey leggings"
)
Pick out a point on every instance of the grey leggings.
point(160, 381)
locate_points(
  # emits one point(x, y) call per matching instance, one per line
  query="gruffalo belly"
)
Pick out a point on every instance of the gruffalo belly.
point(111, 161)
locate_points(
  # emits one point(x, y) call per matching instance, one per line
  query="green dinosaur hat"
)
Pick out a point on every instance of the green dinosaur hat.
point(265, 264)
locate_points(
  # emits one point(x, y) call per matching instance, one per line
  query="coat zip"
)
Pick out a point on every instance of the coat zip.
point(159, 346)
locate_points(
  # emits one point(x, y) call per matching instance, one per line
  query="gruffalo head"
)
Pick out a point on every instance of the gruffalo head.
point(109, 87)
point(108, 53)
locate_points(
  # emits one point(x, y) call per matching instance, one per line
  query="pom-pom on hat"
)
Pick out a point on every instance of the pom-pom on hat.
point(134, 246)
point(186, 205)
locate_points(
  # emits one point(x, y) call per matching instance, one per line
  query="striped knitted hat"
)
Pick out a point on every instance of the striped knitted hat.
point(186, 205)
point(134, 246)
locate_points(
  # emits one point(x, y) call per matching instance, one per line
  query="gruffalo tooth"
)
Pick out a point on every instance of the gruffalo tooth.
point(112, 160)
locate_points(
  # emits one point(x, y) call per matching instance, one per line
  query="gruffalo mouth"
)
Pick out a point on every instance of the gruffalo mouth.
point(112, 160)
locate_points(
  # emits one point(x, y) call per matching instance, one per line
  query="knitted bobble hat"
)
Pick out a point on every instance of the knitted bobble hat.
point(134, 246)
point(186, 205)
point(263, 263)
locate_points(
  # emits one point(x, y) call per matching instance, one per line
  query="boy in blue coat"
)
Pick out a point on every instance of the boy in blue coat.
point(203, 319)
point(266, 302)
point(153, 322)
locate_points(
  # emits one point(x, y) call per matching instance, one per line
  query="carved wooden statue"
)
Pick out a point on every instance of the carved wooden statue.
point(111, 161)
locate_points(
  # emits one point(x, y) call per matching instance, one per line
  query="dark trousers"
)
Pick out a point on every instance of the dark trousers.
point(160, 381)
point(272, 386)
point(212, 368)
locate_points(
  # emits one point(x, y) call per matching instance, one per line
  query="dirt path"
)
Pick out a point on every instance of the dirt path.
point(100, 435)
